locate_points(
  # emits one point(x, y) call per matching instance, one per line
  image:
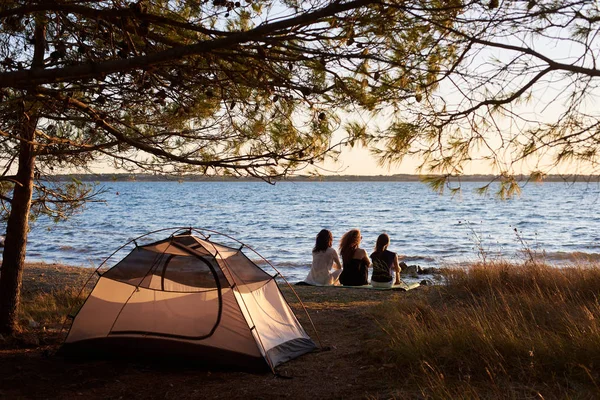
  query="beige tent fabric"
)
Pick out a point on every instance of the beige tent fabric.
point(268, 311)
point(167, 291)
point(158, 312)
point(166, 248)
point(174, 313)
point(214, 248)
point(244, 273)
point(100, 311)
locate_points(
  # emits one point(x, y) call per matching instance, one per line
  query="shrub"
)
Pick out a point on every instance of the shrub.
point(499, 328)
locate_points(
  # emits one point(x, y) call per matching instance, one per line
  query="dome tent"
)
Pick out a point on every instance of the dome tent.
point(187, 297)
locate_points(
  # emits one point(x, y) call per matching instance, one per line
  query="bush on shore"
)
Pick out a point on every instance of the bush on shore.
point(49, 309)
point(492, 330)
point(497, 330)
point(49, 294)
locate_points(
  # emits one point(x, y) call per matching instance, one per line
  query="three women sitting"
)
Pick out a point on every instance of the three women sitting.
point(327, 270)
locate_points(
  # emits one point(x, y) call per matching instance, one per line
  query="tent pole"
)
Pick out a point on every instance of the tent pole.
point(280, 274)
point(134, 241)
point(234, 288)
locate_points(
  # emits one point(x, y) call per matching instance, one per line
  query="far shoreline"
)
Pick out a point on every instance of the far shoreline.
point(125, 177)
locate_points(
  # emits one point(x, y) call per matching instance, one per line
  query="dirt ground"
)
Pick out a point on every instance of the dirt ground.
point(343, 370)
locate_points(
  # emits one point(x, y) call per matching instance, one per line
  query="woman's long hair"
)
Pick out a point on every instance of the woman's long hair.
point(324, 241)
point(382, 243)
point(349, 243)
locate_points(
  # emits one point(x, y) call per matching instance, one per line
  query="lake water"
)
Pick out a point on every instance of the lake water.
point(556, 220)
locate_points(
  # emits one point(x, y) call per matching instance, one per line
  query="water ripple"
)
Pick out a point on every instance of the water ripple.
point(281, 221)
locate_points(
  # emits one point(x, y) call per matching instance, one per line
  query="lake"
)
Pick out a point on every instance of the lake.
point(558, 221)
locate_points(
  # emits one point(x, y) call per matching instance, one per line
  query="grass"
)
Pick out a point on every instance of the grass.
point(497, 330)
point(49, 309)
point(50, 292)
point(489, 331)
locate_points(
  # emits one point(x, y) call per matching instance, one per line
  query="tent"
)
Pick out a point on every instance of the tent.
point(189, 298)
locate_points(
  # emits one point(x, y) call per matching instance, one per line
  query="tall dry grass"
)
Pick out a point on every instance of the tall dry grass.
point(49, 309)
point(50, 292)
point(497, 330)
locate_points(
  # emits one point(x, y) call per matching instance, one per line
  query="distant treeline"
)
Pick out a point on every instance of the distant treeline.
point(305, 178)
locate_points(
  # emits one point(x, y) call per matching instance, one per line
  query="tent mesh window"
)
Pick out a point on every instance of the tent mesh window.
point(190, 298)
point(167, 272)
point(192, 273)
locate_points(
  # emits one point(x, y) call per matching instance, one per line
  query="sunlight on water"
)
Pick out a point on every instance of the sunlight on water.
point(556, 220)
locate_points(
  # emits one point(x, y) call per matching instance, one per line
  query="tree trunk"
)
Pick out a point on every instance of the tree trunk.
point(15, 243)
point(17, 227)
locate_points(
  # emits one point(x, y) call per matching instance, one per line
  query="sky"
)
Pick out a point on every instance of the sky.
point(358, 161)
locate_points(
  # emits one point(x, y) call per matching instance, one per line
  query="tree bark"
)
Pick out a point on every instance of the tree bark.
point(17, 227)
point(15, 243)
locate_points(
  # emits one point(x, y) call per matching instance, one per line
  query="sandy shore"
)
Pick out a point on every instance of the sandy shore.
point(48, 277)
point(343, 371)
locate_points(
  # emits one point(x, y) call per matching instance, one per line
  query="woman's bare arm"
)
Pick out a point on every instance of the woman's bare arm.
point(336, 260)
point(366, 258)
point(397, 269)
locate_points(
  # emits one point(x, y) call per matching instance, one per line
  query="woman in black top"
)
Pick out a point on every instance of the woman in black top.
point(384, 262)
point(355, 260)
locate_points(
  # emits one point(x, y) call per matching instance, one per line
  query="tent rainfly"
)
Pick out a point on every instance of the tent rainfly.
point(189, 298)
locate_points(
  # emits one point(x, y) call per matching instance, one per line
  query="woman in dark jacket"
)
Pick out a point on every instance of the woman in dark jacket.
point(354, 259)
point(384, 262)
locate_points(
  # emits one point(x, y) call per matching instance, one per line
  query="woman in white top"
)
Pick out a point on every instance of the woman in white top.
point(324, 259)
